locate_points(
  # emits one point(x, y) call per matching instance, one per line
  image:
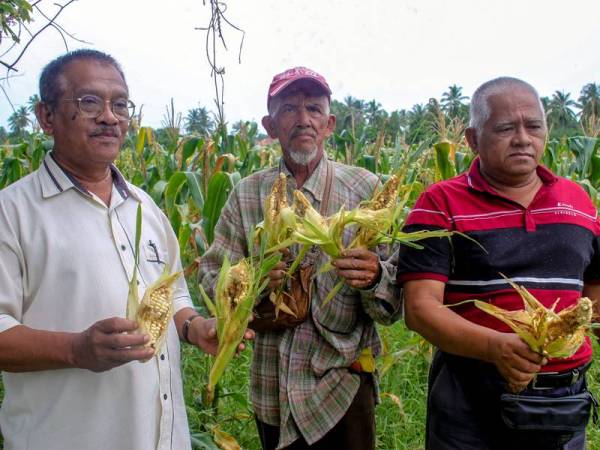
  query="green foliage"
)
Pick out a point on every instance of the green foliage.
point(12, 14)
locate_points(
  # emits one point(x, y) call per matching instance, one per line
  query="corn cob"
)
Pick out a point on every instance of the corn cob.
point(237, 289)
point(155, 310)
point(278, 222)
point(551, 334)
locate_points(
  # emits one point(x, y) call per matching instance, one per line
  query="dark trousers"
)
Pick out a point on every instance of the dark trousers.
point(463, 410)
point(355, 431)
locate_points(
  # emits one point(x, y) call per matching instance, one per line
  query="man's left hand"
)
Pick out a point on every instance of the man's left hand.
point(203, 333)
point(359, 266)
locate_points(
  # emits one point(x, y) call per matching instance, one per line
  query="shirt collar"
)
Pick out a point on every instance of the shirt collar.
point(478, 182)
point(315, 183)
point(56, 180)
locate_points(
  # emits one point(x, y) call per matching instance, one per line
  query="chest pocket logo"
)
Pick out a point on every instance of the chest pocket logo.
point(153, 253)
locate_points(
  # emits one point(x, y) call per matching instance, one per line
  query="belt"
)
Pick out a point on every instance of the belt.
point(552, 380)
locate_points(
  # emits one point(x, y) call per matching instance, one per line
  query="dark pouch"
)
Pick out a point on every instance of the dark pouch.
point(568, 414)
point(298, 301)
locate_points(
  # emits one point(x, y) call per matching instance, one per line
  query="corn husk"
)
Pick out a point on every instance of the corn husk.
point(549, 333)
point(154, 312)
point(238, 287)
point(277, 226)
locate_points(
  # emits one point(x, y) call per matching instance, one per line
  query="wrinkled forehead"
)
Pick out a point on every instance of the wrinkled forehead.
point(506, 103)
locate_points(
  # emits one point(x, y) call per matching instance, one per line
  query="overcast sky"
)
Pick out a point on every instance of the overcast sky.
point(399, 52)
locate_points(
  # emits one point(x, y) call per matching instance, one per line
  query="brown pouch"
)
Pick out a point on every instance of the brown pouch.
point(298, 301)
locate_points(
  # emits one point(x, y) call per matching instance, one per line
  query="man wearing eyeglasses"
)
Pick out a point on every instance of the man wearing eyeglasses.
point(71, 364)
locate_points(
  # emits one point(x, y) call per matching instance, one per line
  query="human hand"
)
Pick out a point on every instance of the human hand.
point(107, 344)
point(359, 266)
point(203, 333)
point(515, 361)
point(278, 273)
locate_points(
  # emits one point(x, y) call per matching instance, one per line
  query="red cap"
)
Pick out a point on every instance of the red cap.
point(284, 79)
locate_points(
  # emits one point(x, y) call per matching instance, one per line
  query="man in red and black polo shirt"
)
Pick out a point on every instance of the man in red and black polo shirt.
point(538, 229)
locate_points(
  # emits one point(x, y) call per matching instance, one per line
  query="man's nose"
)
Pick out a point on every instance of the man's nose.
point(303, 117)
point(521, 136)
point(108, 116)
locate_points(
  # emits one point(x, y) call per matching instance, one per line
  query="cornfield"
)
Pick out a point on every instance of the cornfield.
point(190, 178)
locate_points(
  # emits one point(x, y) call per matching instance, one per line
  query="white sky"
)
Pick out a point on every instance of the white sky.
point(399, 52)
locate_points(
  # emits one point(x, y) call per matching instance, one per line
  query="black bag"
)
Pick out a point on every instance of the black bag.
point(568, 414)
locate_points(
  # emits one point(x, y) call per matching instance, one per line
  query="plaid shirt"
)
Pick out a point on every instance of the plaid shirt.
point(300, 381)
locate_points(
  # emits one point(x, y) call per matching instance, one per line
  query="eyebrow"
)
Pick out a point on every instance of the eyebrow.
point(115, 94)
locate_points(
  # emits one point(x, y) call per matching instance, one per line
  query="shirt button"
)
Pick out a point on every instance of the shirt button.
point(162, 357)
point(165, 396)
point(123, 247)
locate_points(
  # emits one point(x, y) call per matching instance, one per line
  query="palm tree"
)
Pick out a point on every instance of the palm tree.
point(18, 122)
point(419, 123)
point(560, 113)
point(198, 121)
point(31, 102)
point(589, 100)
point(453, 102)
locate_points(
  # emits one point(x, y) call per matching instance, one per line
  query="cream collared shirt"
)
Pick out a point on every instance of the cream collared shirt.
point(65, 262)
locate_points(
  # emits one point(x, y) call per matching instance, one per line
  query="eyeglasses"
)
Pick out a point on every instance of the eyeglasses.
point(92, 106)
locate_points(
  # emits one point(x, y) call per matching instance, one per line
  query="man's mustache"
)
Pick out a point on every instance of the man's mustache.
point(106, 131)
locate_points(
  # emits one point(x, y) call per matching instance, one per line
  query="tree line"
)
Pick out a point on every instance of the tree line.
point(367, 121)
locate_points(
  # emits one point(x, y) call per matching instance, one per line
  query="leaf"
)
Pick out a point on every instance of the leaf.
point(203, 441)
point(219, 187)
point(445, 168)
point(224, 440)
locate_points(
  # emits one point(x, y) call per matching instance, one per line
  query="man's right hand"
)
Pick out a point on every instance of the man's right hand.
point(277, 275)
point(513, 358)
point(106, 345)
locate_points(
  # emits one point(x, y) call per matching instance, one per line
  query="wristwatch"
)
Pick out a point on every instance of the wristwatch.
point(186, 327)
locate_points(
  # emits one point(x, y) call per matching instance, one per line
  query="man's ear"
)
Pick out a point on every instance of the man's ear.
point(331, 124)
point(472, 140)
point(269, 125)
point(45, 117)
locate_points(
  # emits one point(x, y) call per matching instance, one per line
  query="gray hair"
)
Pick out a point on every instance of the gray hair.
point(480, 112)
point(50, 85)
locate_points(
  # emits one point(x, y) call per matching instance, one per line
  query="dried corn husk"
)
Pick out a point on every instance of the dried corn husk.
point(551, 334)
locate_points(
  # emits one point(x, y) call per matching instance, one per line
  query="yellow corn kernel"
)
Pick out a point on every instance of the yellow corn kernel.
point(156, 309)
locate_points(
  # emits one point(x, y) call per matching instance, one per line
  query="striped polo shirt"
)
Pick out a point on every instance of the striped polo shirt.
point(551, 247)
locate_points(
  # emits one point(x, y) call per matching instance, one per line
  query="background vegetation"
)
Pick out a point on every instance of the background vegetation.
point(190, 164)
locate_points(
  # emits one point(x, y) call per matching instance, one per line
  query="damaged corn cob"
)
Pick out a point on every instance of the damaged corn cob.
point(276, 213)
point(156, 309)
point(551, 334)
point(154, 312)
point(276, 227)
point(237, 288)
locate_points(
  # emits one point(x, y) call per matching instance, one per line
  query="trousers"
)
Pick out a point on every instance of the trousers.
point(355, 431)
point(463, 410)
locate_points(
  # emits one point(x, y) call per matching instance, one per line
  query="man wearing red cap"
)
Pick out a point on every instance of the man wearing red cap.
point(308, 389)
